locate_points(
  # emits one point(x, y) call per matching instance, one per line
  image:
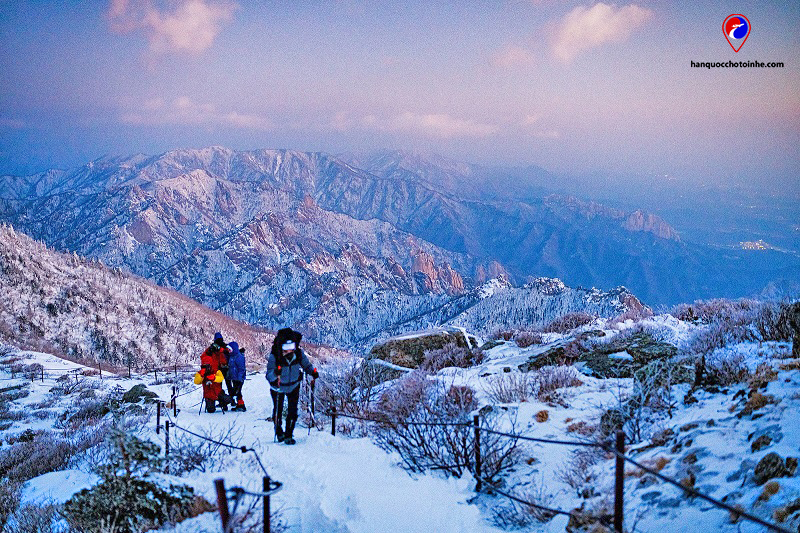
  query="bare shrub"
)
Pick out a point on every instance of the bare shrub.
point(515, 515)
point(351, 385)
point(505, 335)
point(32, 371)
point(510, 387)
point(430, 425)
point(13, 395)
point(524, 339)
point(551, 378)
point(732, 321)
point(27, 460)
point(568, 322)
point(577, 471)
point(726, 368)
point(9, 500)
point(451, 355)
point(35, 519)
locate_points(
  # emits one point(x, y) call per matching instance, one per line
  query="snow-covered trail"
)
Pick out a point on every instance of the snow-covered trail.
point(333, 484)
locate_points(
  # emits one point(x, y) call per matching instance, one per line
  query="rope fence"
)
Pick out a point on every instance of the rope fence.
point(618, 451)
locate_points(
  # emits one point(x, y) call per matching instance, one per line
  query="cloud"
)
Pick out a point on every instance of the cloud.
point(192, 26)
point(511, 56)
point(437, 125)
point(586, 28)
point(186, 112)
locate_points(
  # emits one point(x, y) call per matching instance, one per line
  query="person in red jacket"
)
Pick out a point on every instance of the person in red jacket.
point(211, 378)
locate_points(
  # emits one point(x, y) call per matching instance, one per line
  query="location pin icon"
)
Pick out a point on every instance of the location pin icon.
point(736, 29)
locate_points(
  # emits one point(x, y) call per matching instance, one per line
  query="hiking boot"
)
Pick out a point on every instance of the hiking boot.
point(289, 440)
point(241, 408)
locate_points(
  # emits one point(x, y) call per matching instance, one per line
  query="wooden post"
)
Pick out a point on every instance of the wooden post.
point(333, 422)
point(619, 486)
point(222, 504)
point(42, 374)
point(100, 369)
point(155, 373)
point(266, 505)
point(175, 400)
point(158, 417)
point(166, 444)
point(476, 425)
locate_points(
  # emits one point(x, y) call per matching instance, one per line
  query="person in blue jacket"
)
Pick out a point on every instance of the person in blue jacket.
point(284, 373)
point(237, 372)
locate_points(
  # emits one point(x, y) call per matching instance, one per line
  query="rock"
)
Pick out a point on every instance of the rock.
point(791, 465)
point(138, 393)
point(644, 349)
point(559, 354)
point(770, 466)
point(761, 442)
point(690, 426)
point(409, 350)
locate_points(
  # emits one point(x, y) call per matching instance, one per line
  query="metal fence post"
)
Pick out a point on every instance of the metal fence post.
point(619, 485)
point(42, 374)
point(222, 504)
point(476, 425)
point(175, 400)
point(158, 417)
point(266, 505)
point(100, 369)
point(333, 422)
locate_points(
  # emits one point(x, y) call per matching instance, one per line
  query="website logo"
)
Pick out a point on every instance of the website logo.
point(736, 29)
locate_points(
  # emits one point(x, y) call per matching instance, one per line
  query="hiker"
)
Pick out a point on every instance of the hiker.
point(223, 355)
point(284, 375)
point(211, 378)
point(237, 372)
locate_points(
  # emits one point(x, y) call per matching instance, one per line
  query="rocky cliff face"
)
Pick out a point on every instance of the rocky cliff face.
point(280, 238)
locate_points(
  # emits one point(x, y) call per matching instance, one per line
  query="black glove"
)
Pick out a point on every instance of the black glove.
point(314, 374)
point(275, 383)
point(278, 371)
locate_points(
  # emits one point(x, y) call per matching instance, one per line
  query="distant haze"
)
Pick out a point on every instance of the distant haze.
point(571, 87)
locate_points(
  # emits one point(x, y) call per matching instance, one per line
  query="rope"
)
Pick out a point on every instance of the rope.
point(403, 423)
point(734, 511)
point(243, 449)
point(519, 500)
point(547, 441)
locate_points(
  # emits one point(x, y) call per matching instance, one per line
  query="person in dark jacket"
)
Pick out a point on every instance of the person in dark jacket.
point(237, 372)
point(284, 373)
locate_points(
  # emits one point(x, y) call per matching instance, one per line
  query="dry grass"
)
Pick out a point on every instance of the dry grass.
point(770, 490)
point(542, 416)
point(582, 428)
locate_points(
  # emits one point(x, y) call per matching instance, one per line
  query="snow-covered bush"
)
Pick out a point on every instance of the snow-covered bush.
point(551, 378)
point(510, 387)
point(350, 385)
point(525, 339)
point(429, 424)
point(451, 355)
point(126, 499)
point(740, 321)
point(35, 519)
point(568, 322)
point(44, 453)
point(9, 500)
